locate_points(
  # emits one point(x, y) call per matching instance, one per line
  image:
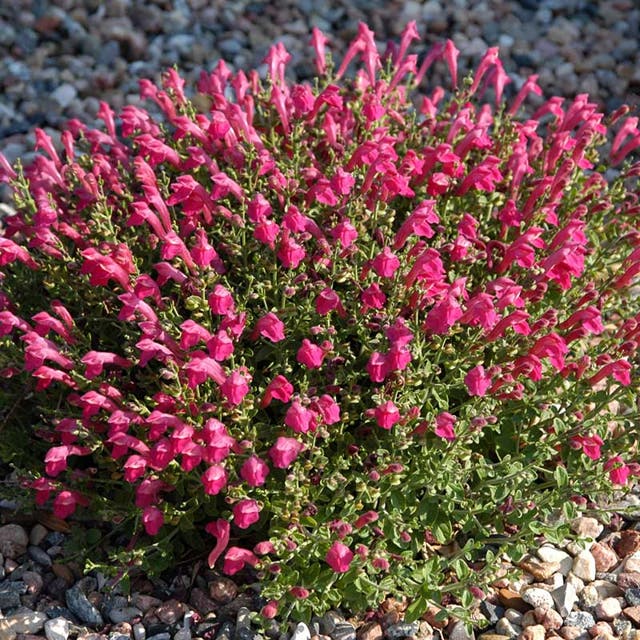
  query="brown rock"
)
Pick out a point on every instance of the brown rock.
point(629, 543)
point(370, 631)
point(633, 613)
point(627, 580)
point(535, 632)
point(604, 556)
point(512, 600)
point(608, 609)
point(145, 602)
point(550, 619)
point(572, 633)
point(539, 570)
point(201, 602)
point(171, 611)
point(223, 590)
point(587, 527)
point(600, 628)
point(492, 636)
point(62, 571)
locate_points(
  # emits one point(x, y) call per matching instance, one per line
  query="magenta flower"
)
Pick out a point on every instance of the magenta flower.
point(444, 426)
point(477, 381)
point(246, 513)
point(345, 233)
point(65, 503)
point(270, 327)
point(220, 346)
point(310, 355)
point(387, 415)
point(373, 297)
point(339, 557)
point(214, 479)
point(152, 519)
point(284, 452)
point(377, 367)
point(279, 388)
point(618, 470)
point(134, 468)
point(254, 471)
point(236, 558)
point(328, 408)
point(220, 300)
point(590, 445)
point(327, 301)
point(300, 418)
point(234, 388)
point(386, 263)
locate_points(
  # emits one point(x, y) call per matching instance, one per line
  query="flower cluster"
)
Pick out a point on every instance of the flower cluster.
point(349, 321)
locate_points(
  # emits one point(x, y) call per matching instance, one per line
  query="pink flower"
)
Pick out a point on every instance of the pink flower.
point(444, 426)
point(220, 300)
point(220, 346)
point(270, 610)
point(236, 558)
point(245, 513)
point(152, 519)
point(477, 381)
point(290, 253)
point(270, 327)
point(377, 367)
point(386, 263)
point(214, 479)
point(56, 458)
point(327, 301)
point(221, 530)
point(299, 592)
point(310, 355)
point(339, 557)
point(234, 388)
point(373, 297)
point(299, 418)
point(284, 452)
point(328, 408)
point(618, 470)
point(590, 445)
point(96, 360)
point(202, 368)
point(387, 415)
point(279, 388)
point(398, 357)
point(345, 233)
point(442, 316)
point(65, 503)
point(134, 468)
point(254, 471)
point(365, 519)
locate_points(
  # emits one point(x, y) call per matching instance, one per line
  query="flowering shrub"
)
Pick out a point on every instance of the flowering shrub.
point(352, 339)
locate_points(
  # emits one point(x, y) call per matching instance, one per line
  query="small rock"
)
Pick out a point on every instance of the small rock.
point(40, 556)
point(581, 619)
point(201, 602)
point(402, 630)
point(539, 570)
point(33, 582)
point(505, 628)
point(529, 618)
point(538, 598)
point(145, 602)
point(512, 600)
point(550, 619)
point(564, 597)
point(633, 614)
point(628, 580)
point(513, 616)
point(301, 632)
point(344, 631)
point(608, 609)
point(632, 563)
point(139, 632)
point(370, 631)
point(492, 636)
point(13, 541)
point(584, 566)
point(171, 611)
point(459, 632)
point(492, 612)
point(9, 597)
point(64, 95)
point(569, 632)
point(37, 534)
point(222, 590)
point(548, 553)
point(21, 622)
point(124, 614)
point(62, 571)
point(164, 635)
point(79, 604)
point(587, 527)
point(57, 629)
point(534, 632)
point(589, 597)
point(607, 589)
point(632, 596)
point(622, 627)
point(604, 556)
point(628, 543)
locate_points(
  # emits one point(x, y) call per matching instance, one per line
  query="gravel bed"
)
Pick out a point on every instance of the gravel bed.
point(59, 59)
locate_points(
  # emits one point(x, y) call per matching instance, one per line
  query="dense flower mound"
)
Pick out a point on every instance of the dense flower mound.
point(350, 339)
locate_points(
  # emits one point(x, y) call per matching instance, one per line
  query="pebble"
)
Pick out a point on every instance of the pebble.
point(301, 632)
point(57, 629)
point(584, 566)
point(13, 541)
point(401, 630)
point(581, 619)
point(538, 598)
point(608, 609)
point(80, 606)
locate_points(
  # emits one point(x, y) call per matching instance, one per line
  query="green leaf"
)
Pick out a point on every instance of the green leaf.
point(561, 476)
point(416, 609)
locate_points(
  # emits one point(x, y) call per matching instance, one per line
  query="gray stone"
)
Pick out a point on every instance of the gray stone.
point(632, 596)
point(40, 556)
point(124, 614)
point(581, 619)
point(57, 629)
point(564, 597)
point(9, 597)
point(21, 622)
point(79, 604)
point(538, 598)
point(548, 553)
point(37, 534)
point(492, 612)
point(402, 630)
point(301, 632)
point(459, 632)
point(226, 631)
point(343, 631)
point(164, 635)
point(64, 95)
point(13, 541)
point(584, 566)
point(506, 628)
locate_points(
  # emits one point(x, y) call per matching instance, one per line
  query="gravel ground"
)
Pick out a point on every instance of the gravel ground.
point(59, 59)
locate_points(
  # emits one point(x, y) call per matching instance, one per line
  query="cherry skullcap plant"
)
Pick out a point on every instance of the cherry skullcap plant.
point(347, 338)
